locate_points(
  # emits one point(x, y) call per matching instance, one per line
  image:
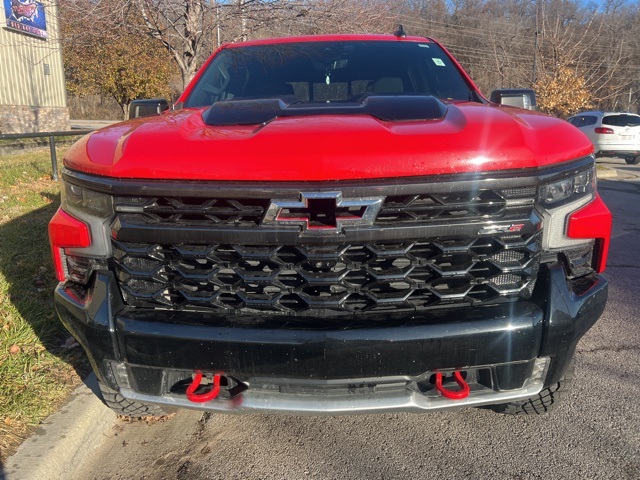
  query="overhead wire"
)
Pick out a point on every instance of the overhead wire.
point(466, 31)
point(451, 30)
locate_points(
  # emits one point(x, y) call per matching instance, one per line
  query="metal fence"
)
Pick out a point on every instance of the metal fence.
point(52, 143)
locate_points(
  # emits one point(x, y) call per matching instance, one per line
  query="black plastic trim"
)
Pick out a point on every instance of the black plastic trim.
point(383, 107)
point(350, 188)
point(326, 354)
point(285, 235)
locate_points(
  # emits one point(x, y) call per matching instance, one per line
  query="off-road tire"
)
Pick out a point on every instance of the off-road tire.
point(128, 408)
point(632, 160)
point(543, 402)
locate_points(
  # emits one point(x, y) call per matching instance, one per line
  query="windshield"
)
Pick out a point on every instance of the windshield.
point(329, 72)
point(622, 120)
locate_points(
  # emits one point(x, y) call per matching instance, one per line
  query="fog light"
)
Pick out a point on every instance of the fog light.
point(79, 269)
point(579, 260)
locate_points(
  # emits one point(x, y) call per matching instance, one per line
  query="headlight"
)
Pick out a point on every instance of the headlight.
point(553, 195)
point(559, 199)
point(81, 200)
point(562, 200)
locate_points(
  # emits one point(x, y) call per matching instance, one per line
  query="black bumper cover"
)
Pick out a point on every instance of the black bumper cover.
point(145, 352)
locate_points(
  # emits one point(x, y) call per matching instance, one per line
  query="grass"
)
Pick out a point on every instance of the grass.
point(37, 368)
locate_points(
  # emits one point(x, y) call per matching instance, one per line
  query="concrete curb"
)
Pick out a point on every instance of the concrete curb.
point(65, 439)
point(606, 172)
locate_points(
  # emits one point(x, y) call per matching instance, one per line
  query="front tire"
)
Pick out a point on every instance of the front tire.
point(632, 160)
point(544, 401)
point(128, 408)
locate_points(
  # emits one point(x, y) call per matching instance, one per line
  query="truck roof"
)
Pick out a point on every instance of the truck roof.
point(329, 38)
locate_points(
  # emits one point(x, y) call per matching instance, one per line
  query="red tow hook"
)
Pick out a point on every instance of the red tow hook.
point(453, 394)
point(203, 397)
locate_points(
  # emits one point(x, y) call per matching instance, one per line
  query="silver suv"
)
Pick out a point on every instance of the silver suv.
point(613, 134)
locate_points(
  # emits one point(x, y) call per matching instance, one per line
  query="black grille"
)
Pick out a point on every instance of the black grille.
point(396, 210)
point(342, 279)
point(193, 211)
point(450, 206)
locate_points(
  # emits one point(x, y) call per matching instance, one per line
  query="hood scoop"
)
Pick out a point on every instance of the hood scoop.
point(389, 108)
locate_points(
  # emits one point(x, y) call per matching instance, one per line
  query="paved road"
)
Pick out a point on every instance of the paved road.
point(595, 434)
point(90, 124)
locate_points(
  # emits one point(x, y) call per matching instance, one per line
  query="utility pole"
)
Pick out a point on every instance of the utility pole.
point(218, 24)
point(535, 56)
point(243, 20)
point(535, 46)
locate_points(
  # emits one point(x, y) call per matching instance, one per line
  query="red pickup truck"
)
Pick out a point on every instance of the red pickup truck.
point(331, 224)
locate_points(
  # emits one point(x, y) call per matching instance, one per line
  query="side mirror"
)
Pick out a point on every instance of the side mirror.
point(515, 97)
point(147, 106)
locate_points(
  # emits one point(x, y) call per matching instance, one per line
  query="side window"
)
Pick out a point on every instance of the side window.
point(583, 120)
point(214, 83)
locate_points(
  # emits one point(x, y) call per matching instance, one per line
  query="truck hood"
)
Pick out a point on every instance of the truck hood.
point(471, 137)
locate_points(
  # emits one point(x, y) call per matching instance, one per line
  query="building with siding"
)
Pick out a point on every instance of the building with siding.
point(32, 87)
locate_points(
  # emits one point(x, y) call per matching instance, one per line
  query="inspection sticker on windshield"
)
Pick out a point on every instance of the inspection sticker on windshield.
point(438, 62)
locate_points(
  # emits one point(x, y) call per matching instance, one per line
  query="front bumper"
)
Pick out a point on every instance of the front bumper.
point(618, 152)
point(509, 352)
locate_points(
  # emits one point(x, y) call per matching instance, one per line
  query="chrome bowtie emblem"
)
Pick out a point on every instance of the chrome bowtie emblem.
point(323, 212)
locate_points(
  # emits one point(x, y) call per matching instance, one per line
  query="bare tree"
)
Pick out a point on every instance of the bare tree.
point(513, 43)
point(184, 28)
point(342, 16)
point(123, 66)
point(502, 43)
point(188, 29)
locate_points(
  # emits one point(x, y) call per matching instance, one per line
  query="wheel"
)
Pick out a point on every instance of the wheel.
point(541, 403)
point(128, 408)
point(632, 160)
